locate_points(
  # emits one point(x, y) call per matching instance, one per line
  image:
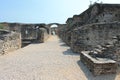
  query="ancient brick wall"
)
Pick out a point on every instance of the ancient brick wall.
point(29, 32)
point(9, 41)
point(107, 14)
point(61, 31)
point(97, 13)
point(43, 35)
point(98, 65)
point(96, 30)
point(101, 38)
point(99, 34)
point(74, 40)
point(89, 36)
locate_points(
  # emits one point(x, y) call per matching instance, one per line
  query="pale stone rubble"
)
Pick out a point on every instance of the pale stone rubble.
point(9, 41)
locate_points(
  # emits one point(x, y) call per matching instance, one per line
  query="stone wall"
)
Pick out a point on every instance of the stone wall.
point(97, 13)
point(29, 32)
point(34, 32)
point(61, 31)
point(98, 65)
point(89, 36)
point(43, 35)
point(101, 38)
point(96, 30)
point(9, 41)
point(107, 13)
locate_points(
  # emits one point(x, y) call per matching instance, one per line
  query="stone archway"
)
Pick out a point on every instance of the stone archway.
point(42, 32)
point(53, 28)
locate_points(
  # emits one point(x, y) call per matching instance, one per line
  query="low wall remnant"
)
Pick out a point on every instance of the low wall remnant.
point(9, 41)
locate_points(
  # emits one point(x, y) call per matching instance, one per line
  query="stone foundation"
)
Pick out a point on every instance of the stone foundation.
point(29, 32)
point(97, 65)
point(9, 41)
point(43, 35)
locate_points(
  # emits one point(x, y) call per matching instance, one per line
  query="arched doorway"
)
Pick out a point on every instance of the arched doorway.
point(54, 29)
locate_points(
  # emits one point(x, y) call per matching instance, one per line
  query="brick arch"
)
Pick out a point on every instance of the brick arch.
point(50, 28)
point(42, 26)
point(49, 25)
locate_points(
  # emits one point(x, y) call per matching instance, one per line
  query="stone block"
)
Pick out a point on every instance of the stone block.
point(98, 66)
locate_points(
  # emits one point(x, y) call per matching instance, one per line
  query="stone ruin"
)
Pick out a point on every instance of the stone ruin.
point(29, 32)
point(97, 31)
point(9, 41)
point(23, 34)
point(34, 33)
point(98, 65)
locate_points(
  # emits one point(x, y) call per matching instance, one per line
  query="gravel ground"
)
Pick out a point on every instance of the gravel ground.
point(52, 60)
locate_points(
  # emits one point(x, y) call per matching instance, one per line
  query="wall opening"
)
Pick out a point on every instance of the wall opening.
point(54, 29)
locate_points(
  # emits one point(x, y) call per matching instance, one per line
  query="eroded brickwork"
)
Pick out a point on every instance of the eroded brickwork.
point(9, 41)
point(96, 30)
point(98, 66)
point(29, 32)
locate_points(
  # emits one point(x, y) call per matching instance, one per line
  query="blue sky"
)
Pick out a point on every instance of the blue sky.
point(43, 11)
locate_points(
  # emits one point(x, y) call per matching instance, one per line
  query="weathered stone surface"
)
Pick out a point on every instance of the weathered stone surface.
point(98, 65)
point(9, 41)
point(96, 30)
point(89, 36)
point(97, 13)
point(29, 32)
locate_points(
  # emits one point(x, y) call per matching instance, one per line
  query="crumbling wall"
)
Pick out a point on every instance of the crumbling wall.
point(97, 30)
point(98, 65)
point(29, 32)
point(97, 13)
point(89, 36)
point(61, 31)
point(74, 41)
point(108, 14)
point(100, 38)
point(9, 41)
point(100, 34)
point(43, 35)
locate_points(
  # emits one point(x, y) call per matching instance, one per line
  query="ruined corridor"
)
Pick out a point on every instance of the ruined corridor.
point(52, 60)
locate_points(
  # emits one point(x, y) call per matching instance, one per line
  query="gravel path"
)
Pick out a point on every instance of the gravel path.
point(52, 60)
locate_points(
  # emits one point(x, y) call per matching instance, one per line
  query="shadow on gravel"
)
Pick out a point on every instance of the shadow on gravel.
point(61, 41)
point(90, 76)
point(64, 45)
point(69, 52)
point(24, 45)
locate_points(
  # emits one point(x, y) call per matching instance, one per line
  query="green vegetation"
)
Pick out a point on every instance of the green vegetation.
point(1, 26)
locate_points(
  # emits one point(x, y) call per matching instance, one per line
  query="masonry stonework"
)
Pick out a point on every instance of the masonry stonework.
point(98, 66)
point(9, 41)
point(95, 30)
